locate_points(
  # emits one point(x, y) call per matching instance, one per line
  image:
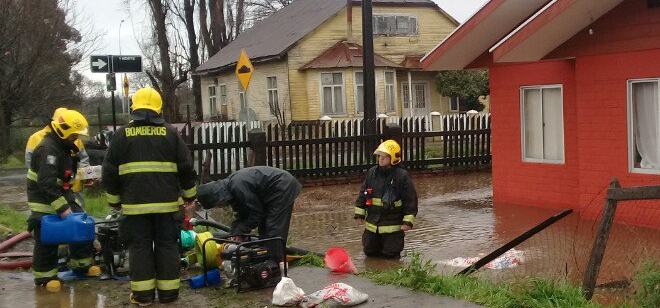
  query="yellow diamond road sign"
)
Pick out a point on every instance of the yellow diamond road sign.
point(244, 70)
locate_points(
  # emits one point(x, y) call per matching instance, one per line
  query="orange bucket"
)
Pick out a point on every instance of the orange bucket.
point(338, 260)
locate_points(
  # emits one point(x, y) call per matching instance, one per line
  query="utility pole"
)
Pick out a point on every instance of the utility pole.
point(368, 69)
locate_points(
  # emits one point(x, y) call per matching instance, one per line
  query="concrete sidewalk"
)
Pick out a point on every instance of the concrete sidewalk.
point(312, 279)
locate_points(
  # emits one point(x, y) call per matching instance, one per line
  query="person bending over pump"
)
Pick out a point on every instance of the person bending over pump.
point(261, 197)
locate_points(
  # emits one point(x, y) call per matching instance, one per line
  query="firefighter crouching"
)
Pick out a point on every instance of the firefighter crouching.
point(387, 204)
point(148, 173)
point(50, 177)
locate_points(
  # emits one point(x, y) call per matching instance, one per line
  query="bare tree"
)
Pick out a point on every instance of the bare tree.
point(264, 8)
point(179, 42)
point(164, 77)
point(38, 49)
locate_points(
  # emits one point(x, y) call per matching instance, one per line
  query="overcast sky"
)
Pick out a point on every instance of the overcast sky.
point(105, 17)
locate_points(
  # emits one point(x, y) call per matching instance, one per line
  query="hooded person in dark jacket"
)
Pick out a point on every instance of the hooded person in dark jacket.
point(261, 197)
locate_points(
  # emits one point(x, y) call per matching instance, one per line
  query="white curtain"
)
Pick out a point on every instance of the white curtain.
point(553, 139)
point(646, 127)
point(533, 123)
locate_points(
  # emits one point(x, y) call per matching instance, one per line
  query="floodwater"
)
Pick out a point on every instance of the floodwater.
point(456, 219)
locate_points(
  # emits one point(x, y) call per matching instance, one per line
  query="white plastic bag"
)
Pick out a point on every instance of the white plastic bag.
point(287, 293)
point(89, 173)
point(335, 295)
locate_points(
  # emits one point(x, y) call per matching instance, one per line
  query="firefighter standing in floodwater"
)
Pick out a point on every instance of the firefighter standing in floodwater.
point(387, 204)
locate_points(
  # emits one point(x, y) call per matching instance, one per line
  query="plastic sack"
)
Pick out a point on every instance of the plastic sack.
point(287, 293)
point(509, 259)
point(335, 295)
point(89, 173)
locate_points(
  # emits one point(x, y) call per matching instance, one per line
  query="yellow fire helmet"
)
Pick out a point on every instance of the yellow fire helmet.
point(391, 148)
point(58, 112)
point(147, 98)
point(70, 122)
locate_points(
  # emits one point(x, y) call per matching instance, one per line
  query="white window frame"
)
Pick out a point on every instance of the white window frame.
point(355, 96)
point(213, 100)
point(223, 96)
point(631, 124)
point(268, 93)
point(393, 89)
point(343, 93)
point(522, 124)
point(427, 94)
point(376, 31)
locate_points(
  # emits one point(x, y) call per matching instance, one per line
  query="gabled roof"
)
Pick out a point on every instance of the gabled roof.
point(479, 33)
point(274, 36)
point(345, 54)
point(552, 24)
point(550, 28)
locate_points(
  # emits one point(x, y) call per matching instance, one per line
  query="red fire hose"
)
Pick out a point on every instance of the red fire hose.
point(10, 243)
point(15, 264)
point(14, 240)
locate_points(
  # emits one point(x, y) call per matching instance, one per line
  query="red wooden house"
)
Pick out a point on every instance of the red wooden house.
point(575, 93)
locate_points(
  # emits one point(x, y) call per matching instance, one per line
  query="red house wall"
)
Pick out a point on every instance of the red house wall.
point(602, 96)
point(625, 45)
point(515, 182)
point(595, 133)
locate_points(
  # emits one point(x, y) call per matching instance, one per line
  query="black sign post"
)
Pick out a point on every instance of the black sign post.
point(111, 84)
point(114, 64)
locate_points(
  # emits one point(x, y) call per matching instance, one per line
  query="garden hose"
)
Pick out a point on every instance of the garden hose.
point(211, 250)
point(187, 239)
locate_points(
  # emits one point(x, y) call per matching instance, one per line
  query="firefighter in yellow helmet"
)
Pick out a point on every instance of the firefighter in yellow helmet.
point(81, 155)
point(51, 172)
point(148, 173)
point(387, 204)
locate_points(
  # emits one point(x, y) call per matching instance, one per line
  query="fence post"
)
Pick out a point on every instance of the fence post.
point(257, 138)
point(189, 123)
point(98, 113)
point(596, 258)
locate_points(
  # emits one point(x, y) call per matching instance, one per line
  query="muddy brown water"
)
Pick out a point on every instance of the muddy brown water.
point(456, 219)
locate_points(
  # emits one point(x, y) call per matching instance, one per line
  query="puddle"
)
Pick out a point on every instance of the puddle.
point(18, 291)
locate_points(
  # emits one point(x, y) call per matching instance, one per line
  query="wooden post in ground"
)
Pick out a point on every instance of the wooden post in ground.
point(257, 138)
point(98, 113)
point(189, 124)
point(598, 250)
point(392, 131)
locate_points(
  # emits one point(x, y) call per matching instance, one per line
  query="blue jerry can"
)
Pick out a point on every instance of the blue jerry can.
point(76, 228)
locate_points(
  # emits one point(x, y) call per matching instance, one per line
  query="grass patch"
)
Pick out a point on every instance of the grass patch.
point(16, 160)
point(96, 204)
point(310, 260)
point(647, 283)
point(526, 293)
point(12, 219)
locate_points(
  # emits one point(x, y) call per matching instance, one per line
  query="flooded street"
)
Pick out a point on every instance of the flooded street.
point(456, 219)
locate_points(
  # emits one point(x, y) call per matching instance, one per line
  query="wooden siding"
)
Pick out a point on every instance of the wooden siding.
point(257, 92)
point(304, 88)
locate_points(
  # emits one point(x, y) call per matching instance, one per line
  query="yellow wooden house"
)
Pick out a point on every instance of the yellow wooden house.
point(308, 63)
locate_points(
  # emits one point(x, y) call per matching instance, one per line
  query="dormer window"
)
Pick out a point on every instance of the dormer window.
point(395, 25)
